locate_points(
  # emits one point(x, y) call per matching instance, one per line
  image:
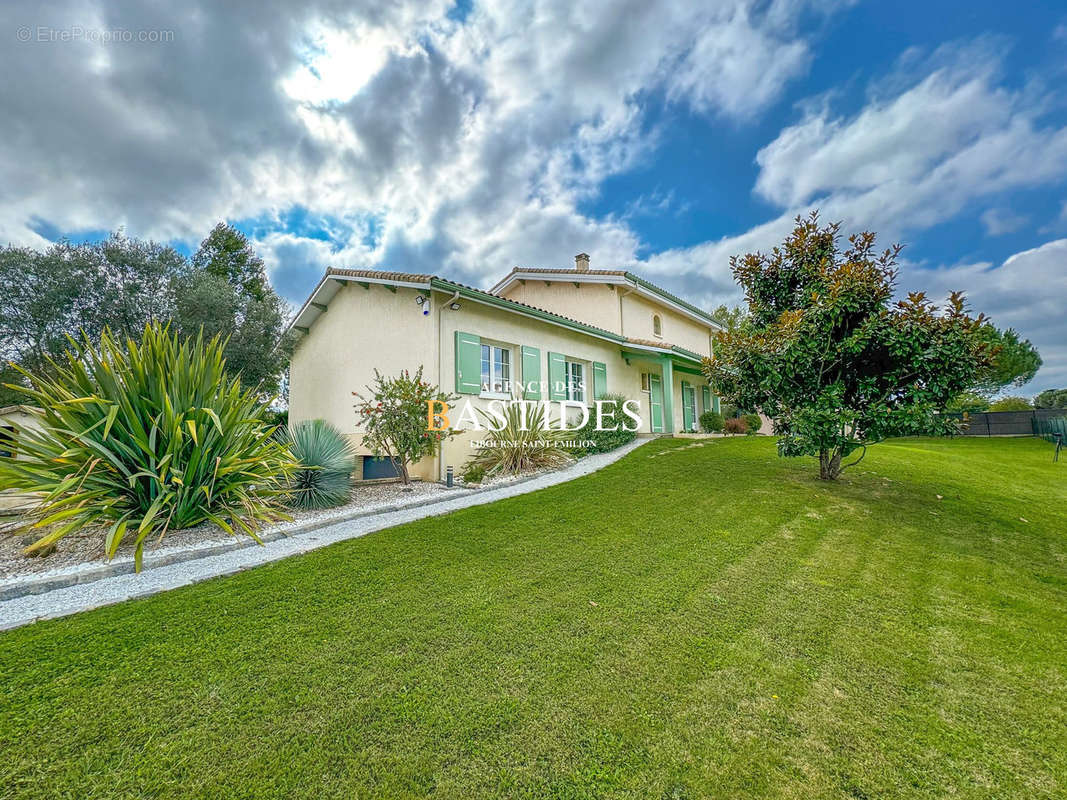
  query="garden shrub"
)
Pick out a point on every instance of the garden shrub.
point(753, 422)
point(512, 450)
point(735, 425)
point(728, 410)
point(326, 460)
point(145, 438)
point(604, 441)
point(393, 416)
point(473, 473)
point(711, 422)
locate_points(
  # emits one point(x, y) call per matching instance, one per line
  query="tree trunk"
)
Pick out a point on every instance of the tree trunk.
point(404, 473)
point(829, 464)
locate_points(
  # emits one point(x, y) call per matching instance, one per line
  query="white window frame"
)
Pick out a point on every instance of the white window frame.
point(573, 390)
point(492, 376)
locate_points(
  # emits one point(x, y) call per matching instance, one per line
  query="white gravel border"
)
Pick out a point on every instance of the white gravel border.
point(97, 589)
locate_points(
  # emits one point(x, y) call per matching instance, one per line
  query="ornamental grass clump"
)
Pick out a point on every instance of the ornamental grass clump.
point(146, 438)
point(518, 447)
point(326, 460)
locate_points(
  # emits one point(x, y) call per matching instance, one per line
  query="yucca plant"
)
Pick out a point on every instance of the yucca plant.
point(147, 437)
point(512, 450)
point(326, 459)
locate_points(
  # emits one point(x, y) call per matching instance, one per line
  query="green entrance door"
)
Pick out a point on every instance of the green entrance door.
point(689, 408)
point(655, 402)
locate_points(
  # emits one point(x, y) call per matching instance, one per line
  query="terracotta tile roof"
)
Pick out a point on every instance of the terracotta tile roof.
point(571, 271)
point(649, 343)
point(410, 277)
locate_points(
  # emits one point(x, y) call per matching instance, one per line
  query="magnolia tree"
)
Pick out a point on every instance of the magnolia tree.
point(832, 359)
point(393, 414)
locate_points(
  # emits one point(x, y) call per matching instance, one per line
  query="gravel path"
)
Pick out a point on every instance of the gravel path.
point(159, 575)
point(84, 549)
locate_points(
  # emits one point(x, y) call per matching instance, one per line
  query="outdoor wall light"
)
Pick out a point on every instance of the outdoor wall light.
point(419, 300)
point(454, 306)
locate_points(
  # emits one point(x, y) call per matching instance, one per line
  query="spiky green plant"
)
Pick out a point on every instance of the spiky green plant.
point(512, 450)
point(326, 459)
point(147, 437)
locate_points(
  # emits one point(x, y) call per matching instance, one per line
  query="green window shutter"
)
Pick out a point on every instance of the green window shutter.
point(468, 363)
point(715, 404)
point(557, 377)
point(707, 398)
point(531, 373)
point(600, 380)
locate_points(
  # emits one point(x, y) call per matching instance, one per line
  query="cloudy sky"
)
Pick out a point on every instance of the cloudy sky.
point(462, 138)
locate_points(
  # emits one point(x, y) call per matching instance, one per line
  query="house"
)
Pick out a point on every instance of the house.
point(560, 334)
point(13, 418)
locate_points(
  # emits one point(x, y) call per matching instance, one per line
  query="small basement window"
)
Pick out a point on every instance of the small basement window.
point(376, 468)
point(657, 325)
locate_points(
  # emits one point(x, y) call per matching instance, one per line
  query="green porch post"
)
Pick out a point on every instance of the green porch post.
point(668, 394)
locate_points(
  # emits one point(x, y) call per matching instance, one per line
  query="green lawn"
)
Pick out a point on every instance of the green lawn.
point(690, 622)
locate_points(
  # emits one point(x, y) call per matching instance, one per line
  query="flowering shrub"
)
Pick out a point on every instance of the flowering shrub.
point(393, 415)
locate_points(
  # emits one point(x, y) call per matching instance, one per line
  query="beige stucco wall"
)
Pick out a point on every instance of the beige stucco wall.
point(373, 328)
point(363, 329)
point(637, 313)
point(593, 303)
point(513, 330)
point(615, 308)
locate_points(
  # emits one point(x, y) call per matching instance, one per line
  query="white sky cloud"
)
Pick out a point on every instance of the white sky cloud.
point(472, 146)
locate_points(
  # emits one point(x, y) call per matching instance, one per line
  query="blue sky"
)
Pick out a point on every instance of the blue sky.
point(465, 138)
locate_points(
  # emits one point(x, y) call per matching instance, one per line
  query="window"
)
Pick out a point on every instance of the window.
point(575, 381)
point(7, 441)
point(496, 370)
point(644, 382)
point(657, 325)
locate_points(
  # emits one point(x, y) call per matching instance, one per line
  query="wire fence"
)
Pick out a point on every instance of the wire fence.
point(1049, 429)
point(1006, 423)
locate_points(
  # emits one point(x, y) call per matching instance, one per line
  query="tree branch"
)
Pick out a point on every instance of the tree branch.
point(854, 463)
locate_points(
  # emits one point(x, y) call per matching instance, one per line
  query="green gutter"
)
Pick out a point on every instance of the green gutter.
point(667, 295)
point(530, 311)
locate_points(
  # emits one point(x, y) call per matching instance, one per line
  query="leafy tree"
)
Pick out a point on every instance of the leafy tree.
point(1051, 398)
point(123, 284)
point(1015, 361)
point(69, 289)
point(968, 403)
point(252, 328)
point(731, 318)
point(1011, 404)
point(831, 359)
point(394, 415)
point(226, 253)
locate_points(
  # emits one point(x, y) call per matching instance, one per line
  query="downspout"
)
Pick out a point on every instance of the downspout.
point(440, 346)
point(622, 295)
